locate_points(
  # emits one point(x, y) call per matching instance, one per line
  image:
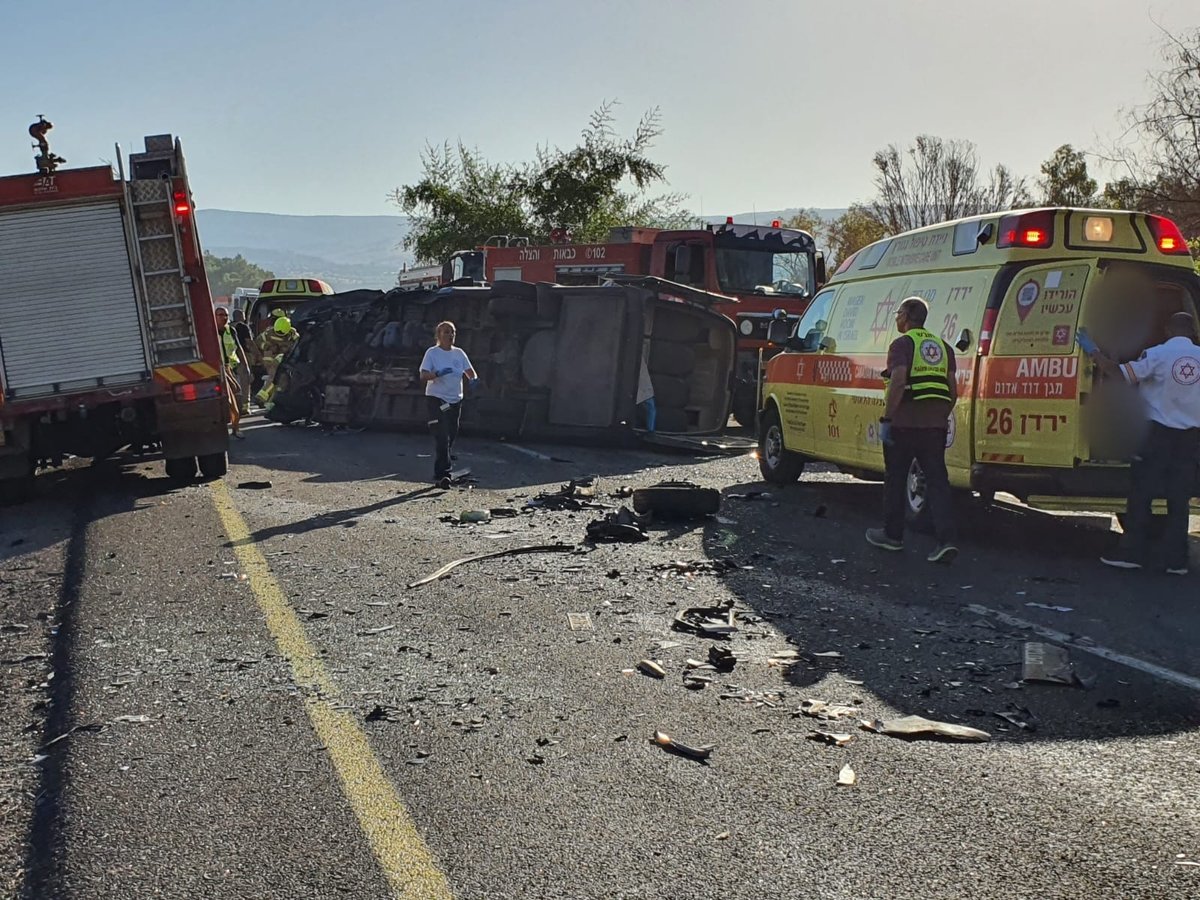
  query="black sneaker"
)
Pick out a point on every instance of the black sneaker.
point(877, 537)
point(943, 553)
point(1120, 561)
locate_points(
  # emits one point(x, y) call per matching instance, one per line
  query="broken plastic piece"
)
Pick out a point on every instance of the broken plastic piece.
point(917, 727)
point(652, 668)
point(475, 515)
point(1046, 663)
point(700, 753)
point(846, 777)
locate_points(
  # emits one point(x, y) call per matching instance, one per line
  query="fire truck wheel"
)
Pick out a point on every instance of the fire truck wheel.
point(214, 465)
point(777, 464)
point(181, 469)
point(671, 359)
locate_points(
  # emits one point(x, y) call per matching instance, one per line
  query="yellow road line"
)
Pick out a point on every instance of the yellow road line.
point(403, 855)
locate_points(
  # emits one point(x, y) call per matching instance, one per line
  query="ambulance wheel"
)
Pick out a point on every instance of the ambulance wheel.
point(182, 469)
point(213, 465)
point(917, 514)
point(777, 464)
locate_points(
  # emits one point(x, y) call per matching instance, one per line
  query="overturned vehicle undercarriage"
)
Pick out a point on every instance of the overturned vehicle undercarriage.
point(555, 362)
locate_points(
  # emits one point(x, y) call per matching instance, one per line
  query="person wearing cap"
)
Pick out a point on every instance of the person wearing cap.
point(1167, 378)
point(274, 344)
point(919, 399)
point(234, 358)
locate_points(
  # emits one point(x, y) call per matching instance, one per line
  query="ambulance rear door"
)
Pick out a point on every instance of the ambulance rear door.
point(1027, 407)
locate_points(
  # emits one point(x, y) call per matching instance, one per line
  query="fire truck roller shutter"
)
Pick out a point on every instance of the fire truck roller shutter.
point(68, 310)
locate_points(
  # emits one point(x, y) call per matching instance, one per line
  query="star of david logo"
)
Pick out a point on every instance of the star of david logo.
point(1186, 370)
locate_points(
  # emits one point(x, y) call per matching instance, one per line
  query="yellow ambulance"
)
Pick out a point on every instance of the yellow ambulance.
point(1008, 291)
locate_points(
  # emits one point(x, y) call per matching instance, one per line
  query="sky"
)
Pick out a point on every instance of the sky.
point(322, 108)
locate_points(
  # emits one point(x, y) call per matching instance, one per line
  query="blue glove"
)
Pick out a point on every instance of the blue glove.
point(449, 370)
point(885, 433)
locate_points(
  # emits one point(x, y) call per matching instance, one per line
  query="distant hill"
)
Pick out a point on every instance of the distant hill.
point(347, 251)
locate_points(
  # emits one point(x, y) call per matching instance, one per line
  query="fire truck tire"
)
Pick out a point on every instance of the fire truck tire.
point(667, 358)
point(213, 465)
point(777, 464)
point(670, 390)
point(507, 306)
point(182, 469)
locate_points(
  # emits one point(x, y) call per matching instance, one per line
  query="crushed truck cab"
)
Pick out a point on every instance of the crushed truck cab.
point(107, 336)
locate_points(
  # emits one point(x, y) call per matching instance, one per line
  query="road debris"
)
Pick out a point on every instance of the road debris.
point(382, 712)
point(750, 495)
point(846, 777)
point(827, 654)
point(579, 621)
point(757, 699)
point(511, 551)
point(717, 567)
point(621, 527)
point(1047, 664)
point(652, 668)
point(254, 485)
point(706, 621)
point(721, 658)
point(373, 631)
point(834, 738)
point(575, 495)
point(918, 727)
point(1018, 716)
point(676, 501)
point(475, 515)
point(1051, 608)
point(699, 753)
point(694, 681)
point(821, 709)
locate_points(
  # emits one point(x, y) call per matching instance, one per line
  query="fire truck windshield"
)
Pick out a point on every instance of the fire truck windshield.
point(756, 270)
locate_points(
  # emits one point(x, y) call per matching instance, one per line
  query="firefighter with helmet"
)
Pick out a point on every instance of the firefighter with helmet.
point(274, 343)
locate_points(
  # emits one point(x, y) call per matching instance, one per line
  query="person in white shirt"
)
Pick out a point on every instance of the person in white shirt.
point(442, 370)
point(1167, 377)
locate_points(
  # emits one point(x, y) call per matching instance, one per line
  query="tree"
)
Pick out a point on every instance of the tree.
point(1163, 153)
point(1065, 180)
point(462, 199)
point(940, 180)
point(227, 273)
point(853, 230)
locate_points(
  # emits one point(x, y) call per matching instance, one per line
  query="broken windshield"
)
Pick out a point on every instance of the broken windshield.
point(749, 271)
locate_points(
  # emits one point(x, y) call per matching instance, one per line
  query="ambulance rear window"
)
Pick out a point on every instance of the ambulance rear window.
point(869, 258)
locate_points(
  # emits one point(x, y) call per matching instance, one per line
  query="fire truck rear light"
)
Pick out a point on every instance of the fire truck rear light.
point(1035, 229)
point(729, 220)
point(182, 207)
point(197, 390)
point(1167, 236)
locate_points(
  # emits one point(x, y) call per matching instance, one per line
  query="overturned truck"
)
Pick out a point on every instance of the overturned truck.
point(555, 362)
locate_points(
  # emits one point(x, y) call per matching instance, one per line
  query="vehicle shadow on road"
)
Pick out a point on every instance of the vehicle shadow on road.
point(913, 634)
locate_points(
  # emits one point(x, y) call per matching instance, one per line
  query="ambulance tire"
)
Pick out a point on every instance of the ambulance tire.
point(917, 514)
point(181, 470)
point(777, 464)
point(214, 465)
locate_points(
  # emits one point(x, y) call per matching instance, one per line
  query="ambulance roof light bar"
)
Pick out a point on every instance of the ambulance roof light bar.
point(1031, 229)
point(1167, 236)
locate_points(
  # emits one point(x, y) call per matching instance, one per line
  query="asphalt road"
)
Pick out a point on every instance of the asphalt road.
point(230, 692)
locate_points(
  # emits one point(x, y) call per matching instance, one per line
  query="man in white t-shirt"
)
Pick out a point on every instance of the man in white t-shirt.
point(442, 370)
point(1167, 377)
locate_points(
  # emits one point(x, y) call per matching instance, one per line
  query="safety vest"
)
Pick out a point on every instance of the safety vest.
point(231, 347)
point(930, 366)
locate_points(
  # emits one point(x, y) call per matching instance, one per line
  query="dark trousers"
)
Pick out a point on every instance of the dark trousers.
point(443, 423)
point(928, 447)
point(1165, 467)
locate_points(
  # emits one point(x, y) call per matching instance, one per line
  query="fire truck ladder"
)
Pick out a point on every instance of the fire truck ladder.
point(164, 288)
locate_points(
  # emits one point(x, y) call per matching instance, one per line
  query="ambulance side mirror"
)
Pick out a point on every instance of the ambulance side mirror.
point(964, 340)
point(777, 332)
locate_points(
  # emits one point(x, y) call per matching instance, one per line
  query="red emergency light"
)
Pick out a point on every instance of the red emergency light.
point(1035, 229)
point(775, 223)
point(729, 220)
point(990, 316)
point(1167, 236)
point(313, 285)
point(182, 207)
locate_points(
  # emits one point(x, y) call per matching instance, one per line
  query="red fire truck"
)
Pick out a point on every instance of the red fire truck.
point(759, 268)
point(107, 337)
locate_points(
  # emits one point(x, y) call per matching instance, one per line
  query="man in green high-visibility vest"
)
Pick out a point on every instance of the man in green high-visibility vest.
point(919, 399)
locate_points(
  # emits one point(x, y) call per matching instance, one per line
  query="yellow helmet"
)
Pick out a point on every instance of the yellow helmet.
point(278, 312)
point(283, 325)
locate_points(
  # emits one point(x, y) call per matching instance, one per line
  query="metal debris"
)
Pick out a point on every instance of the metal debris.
point(699, 753)
point(1018, 716)
point(620, 527)
point(652, 668)
point(706, 621)
point(512, 551)
point(721, 659)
